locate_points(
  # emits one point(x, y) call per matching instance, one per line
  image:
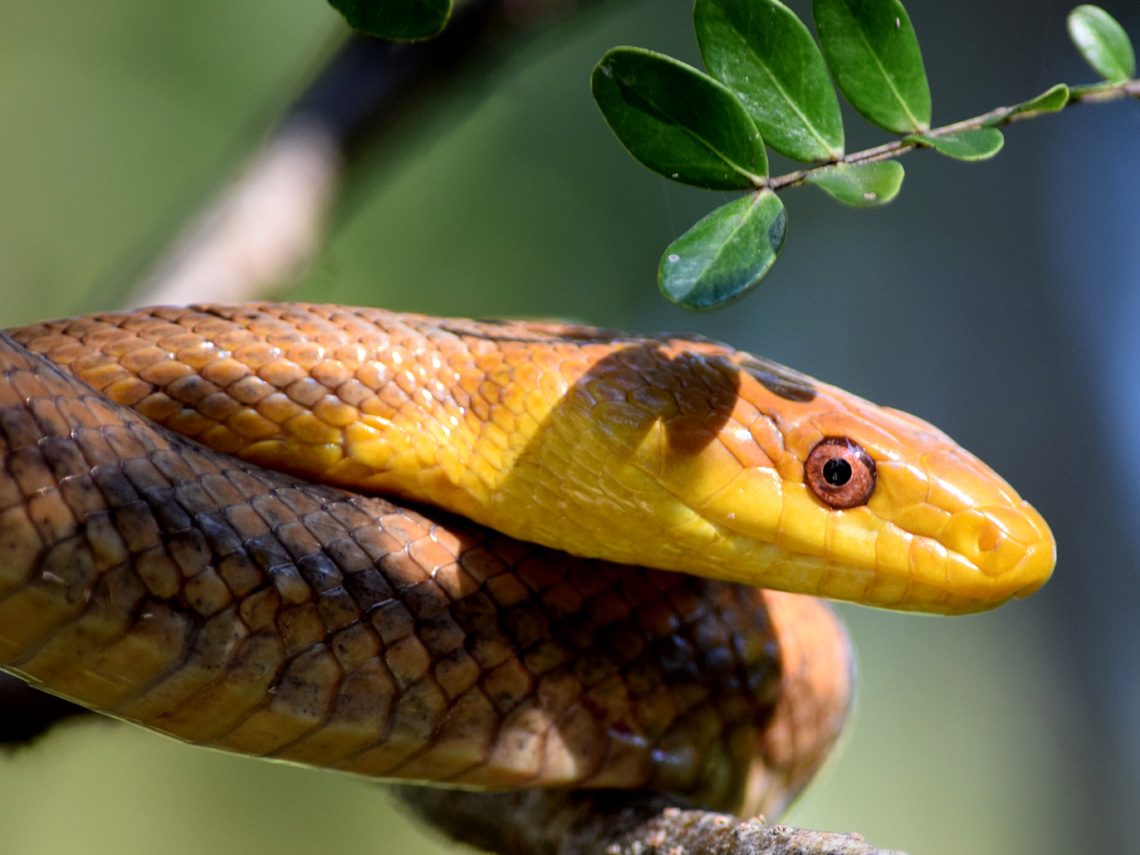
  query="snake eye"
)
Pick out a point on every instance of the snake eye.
point(840, 472)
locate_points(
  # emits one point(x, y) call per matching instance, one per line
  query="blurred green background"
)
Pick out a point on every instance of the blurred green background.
point(997, 300)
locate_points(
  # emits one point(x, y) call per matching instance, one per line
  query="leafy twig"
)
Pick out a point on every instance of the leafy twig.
point(1095, 94)
point(770, 84)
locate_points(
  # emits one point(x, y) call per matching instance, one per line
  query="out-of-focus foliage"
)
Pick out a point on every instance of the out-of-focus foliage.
point(115, 115)
point(395, 19)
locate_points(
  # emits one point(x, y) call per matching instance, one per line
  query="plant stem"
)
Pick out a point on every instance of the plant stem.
point(1095, 94)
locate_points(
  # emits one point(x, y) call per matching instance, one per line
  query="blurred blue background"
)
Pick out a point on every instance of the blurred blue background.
point(998, 300)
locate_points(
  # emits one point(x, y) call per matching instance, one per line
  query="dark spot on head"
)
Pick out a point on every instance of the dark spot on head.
point(780, 381)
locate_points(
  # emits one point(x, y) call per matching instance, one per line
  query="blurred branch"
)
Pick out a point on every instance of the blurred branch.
point(26, 713)
point(554, 822)
point(262, 229)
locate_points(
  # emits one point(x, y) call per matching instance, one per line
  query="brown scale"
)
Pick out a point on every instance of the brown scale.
point(144, 576)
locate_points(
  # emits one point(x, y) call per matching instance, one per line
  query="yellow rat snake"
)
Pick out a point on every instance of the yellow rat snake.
point(168, 557)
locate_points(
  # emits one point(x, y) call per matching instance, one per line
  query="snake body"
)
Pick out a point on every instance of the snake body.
point(204, 596)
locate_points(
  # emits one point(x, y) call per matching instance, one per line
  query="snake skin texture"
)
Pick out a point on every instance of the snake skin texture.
point(673, 452)
point(204, 597)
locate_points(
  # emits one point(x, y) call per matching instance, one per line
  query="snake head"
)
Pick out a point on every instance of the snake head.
point(859, 502)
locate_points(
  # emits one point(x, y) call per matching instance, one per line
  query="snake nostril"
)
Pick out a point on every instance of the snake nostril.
point(989, 537)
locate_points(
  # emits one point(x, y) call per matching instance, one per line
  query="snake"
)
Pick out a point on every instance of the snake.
point(484, 554)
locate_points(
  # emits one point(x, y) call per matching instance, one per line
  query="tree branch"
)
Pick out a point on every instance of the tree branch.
point(553, 822)
point(262, 229)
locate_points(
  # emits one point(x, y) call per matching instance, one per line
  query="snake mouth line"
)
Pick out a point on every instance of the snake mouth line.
point(1040, 555)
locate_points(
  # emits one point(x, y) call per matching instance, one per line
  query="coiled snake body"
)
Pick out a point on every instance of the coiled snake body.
point(191, 590)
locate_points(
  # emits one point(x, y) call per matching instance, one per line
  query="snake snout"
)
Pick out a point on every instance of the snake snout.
point(952, 536)
point(996, 552)
point(1026, 528)
point(1037, 567)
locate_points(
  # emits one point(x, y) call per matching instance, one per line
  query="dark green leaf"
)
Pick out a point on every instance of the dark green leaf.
point(405, 20)
point(861, 186)
point(726, 254)
point(964, 145)
point(761, 51)
point(873, 54)
point(1102, 42)
point(679, 121)
point(1050, 101)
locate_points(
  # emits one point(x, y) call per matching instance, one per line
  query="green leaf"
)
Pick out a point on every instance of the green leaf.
point(873, 54)
point(1050, 101)
point(1102, 42)
point(726, 254)
point(862, 186)
point(976, 144)
point(761, 51)
point(679, 121)
point(405, 20)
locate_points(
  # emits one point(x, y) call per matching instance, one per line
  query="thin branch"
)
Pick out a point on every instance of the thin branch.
point(551, 822)
point(1096, 94)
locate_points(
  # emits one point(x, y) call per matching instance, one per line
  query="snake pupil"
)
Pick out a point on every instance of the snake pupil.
point(837, 472)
